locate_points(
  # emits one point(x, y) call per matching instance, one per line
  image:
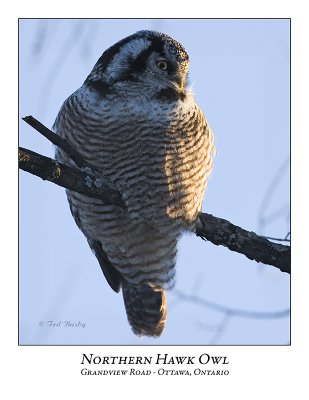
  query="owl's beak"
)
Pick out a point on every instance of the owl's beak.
point(180, 80)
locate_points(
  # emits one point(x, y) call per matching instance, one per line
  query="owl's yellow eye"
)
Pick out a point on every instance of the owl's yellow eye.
point(162, 64)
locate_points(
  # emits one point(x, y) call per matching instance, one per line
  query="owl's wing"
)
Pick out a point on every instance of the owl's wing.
point(111, 274)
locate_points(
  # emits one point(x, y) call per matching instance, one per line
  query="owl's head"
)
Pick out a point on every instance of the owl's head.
point(150, 59)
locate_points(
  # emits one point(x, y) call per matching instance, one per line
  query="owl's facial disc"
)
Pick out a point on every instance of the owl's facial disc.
point(167, 70)
point(150, 59)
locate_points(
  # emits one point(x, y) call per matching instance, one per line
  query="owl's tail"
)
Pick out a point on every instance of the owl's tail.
point(145, 307)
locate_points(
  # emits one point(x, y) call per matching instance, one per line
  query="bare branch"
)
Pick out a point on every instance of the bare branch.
point(221, 232)
point(57, 141)
point(228, 311)
point(88, 181)
point(277, 239)
point(68, 177)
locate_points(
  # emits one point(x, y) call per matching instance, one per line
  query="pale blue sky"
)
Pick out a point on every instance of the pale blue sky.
point(239, 71)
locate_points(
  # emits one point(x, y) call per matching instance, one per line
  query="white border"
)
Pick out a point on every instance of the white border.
point(255, 372)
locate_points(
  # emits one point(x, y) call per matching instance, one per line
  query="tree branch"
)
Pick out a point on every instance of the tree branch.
point(222, 232)
point(88, 181)
point(70, 178)
point(232, 312)
point(57, 141)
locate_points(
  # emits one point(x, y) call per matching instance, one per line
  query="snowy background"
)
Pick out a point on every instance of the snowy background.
point(239, 71)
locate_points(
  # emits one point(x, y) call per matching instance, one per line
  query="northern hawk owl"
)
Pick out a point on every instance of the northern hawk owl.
point(135, 120)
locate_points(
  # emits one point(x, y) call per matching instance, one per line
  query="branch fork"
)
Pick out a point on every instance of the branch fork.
point(87, 180)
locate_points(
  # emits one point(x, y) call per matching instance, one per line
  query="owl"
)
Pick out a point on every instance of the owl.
point(135, 120)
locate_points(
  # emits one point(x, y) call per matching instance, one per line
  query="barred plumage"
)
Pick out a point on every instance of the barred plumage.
point(137, 123)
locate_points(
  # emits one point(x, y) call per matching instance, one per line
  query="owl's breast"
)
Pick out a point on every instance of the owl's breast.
point(164, 160)
point(188, 162)
point(158, 154)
